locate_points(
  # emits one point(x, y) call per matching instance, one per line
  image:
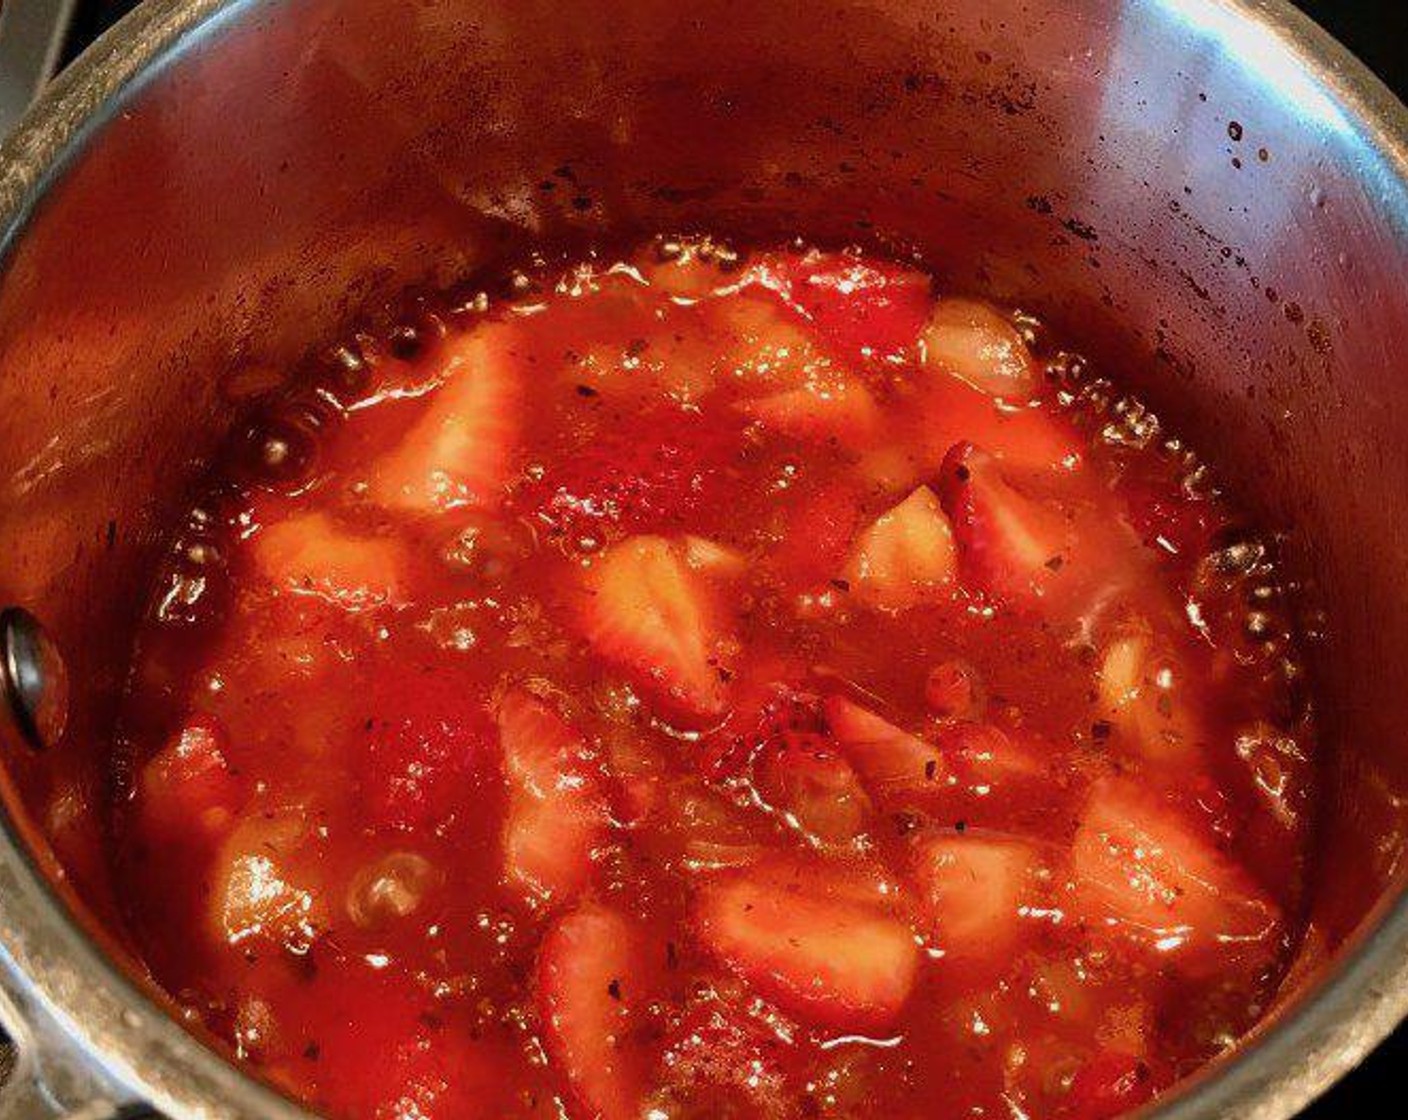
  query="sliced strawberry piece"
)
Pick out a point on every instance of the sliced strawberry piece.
point(1142, 868)
point(819, 952)
point(593, 981)
point(905, 557)
point(807, 779)
point(649, 612)
point(310, 554)
point(714, 559)
point(891, 760)
point(765, 344)
point(827, 408)
point(767, 714)
point(975, 888)
point(986, 756)
point(426, 741)
point(621, 481)
point(1015, 547)
point(557, 813)
point(460, 451)
point(871, 310)
point(265, 884)
point(189, 784)
point(977, 344)
point(1143, 697)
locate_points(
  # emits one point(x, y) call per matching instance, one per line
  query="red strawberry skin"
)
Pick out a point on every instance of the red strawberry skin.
point(657, 477)
point(593, 977)
point(866, 310)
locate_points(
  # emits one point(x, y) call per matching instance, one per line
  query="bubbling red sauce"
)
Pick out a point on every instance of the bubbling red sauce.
point(704, 686)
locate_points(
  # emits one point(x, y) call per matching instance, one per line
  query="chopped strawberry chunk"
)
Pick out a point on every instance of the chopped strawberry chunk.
point(819, 952)
point(264, 884)
point(890, 760)
point(1142, 868)
point(986, 756)
point(905, 556)
point(870, 310)
point(649, 612)
point(973, 342)
point(557, 814)
point(310, 554)
point(593, 980)
point(1016, 547)
point(189, 783)
point(1144, 697)
point(829, 408)
point(460, 451)
point(974, 888)
point(806, 777)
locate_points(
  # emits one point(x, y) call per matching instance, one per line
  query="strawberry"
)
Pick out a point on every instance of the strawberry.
point(460, 450)
point(624, 481)
point(767, 715)
point(1144, 697)
point(979, 346)
point(808, 780)
point(905, 557)
point(648, 612)
point(869, 310)
point(765, 344)
point(985, 756)
point(189, 784)
point(1015, 547)
point(818, 951)
point(310, 554)
point(425, 744)
point(557, 814)
point(890, 760)
point(827, 409)
point(975, 889)
point(1146, 871)
point(593, 983)
point(265, 884)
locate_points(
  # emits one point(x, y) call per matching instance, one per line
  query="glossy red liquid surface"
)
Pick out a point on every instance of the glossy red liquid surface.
point(702, 687)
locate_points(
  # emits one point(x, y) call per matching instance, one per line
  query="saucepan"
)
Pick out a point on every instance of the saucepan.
point(1211, 195)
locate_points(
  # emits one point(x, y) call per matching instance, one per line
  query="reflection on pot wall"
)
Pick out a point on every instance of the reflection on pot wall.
point(1190, 224)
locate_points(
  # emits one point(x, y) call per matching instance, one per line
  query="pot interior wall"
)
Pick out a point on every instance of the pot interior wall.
point(1187, 215)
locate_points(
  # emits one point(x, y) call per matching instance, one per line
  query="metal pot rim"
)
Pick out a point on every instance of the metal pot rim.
point(122, 1034)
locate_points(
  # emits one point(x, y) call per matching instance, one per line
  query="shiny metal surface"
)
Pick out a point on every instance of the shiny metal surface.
point(33, 680)
point(1209, 194)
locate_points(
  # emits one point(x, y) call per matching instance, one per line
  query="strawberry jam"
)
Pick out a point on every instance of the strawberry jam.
point(715, 686)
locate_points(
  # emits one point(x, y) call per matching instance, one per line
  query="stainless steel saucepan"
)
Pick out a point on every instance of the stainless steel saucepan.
point(1209, 194)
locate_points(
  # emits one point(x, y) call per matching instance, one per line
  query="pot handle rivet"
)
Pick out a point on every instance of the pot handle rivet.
point(33, 680)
